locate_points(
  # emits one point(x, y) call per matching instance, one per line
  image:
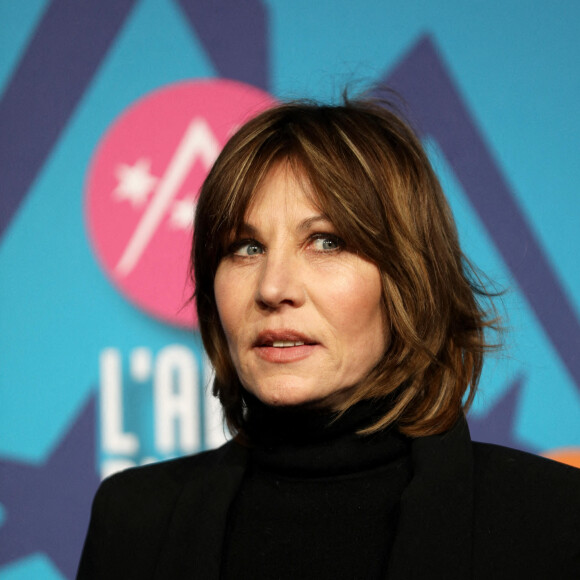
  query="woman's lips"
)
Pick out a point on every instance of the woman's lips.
point(285, 354)
point(283, 346)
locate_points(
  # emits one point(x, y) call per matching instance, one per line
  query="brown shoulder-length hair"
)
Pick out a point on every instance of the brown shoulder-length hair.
point(370, 175)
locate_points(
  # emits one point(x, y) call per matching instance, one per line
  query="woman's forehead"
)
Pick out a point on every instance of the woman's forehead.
point(283, 185)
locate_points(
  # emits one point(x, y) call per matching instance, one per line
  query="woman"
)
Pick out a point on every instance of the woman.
point(347, 334)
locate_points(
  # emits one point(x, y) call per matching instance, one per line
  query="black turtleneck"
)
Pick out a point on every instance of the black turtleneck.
point(318, 500)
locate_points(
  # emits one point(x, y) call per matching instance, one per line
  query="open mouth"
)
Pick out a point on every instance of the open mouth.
point(282, 339)
point(286, 343)
point(283, 345)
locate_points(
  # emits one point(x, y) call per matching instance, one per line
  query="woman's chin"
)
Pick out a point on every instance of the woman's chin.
point(291, 394)
point(284, 397)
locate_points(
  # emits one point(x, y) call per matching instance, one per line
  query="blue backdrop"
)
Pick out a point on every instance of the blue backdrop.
point(91, 382)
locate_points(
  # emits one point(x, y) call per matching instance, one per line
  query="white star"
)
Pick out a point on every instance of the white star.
point(182, 214)
point(135, 182)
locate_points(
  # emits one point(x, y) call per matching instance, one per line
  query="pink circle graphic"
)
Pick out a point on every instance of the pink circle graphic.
point(144, 181)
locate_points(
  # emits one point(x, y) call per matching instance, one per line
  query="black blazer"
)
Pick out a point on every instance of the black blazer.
point(471, 510)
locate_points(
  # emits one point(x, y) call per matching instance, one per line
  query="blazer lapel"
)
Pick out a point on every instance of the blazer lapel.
point(434, 533)
point(194, 540)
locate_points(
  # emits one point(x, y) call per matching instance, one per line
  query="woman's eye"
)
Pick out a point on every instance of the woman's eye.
point(327, 243)
point(247, 248)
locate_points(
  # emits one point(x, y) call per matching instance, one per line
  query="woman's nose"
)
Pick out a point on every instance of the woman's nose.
point(280, 282)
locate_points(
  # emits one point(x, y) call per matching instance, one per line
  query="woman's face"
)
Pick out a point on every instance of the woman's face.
point(302, 314)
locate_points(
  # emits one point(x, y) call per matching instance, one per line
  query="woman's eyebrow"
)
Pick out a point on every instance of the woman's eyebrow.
point(308, 223)
point(247, 229)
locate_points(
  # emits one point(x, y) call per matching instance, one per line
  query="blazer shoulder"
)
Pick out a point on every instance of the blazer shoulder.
point(145, 496)
point(133, 510)
point(526, 514)
point(505, 466)
point(166, 475)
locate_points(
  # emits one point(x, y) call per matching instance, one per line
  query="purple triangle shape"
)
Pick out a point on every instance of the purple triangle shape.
point(68, 45)
point(440, 112)
point(497, 425)
point(235, 34)
point(47, 506)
